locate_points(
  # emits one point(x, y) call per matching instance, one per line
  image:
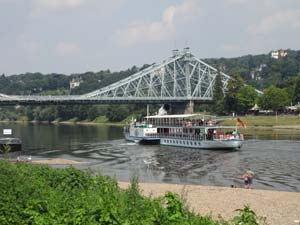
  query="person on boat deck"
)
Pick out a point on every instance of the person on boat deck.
point(200, 123)
point(234, 133)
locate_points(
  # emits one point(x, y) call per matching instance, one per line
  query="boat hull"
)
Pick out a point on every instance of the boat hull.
point(203, 144)
point(143, 140)
point(233, 144)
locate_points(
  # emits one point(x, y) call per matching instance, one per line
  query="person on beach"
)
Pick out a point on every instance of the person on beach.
point(246, 177)
point(250, 178)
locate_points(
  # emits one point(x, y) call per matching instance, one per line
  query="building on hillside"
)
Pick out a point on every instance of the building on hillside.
point(282, 53)
point(275, 54)
point(256, 73)
point(75, 82)
point(278, 54)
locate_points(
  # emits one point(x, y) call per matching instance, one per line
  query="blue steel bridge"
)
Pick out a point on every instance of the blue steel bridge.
point(182, 78)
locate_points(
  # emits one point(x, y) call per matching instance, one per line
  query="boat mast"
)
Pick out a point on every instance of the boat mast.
point(147, 112)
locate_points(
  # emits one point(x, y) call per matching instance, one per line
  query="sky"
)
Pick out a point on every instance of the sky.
point(75, 36)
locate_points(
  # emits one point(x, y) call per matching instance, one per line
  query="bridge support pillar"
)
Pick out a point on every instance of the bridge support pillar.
point(189, 108)
point(183, 108)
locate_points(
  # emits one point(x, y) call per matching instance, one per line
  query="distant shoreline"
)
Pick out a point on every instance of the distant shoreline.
point(260, 127)
point(65, 122)
point(291, 122)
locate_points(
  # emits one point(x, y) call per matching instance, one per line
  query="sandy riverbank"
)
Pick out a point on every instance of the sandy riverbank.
point(280, 208)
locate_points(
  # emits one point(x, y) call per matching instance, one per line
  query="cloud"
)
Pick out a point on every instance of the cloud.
point(237, 1)
point(231, 48)
point(57, 4)
point(40, 6)
point(279, 21)
point(28, 44)
point(139, 32)
point(4, 1)
point(66, 48)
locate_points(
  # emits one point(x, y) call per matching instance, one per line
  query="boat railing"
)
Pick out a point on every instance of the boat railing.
point(177, 136)
point(186, 125)
point(228, 137)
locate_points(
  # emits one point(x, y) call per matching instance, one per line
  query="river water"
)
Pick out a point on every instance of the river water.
point(274, 156)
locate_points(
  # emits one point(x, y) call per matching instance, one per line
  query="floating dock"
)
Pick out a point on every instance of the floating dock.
point(15, 144)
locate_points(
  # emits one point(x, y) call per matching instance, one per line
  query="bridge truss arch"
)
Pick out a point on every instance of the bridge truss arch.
point(182, 77)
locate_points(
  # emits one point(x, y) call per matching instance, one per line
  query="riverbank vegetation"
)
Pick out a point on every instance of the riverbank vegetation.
point(250, 120)
point(32, 194)
point(75, 113)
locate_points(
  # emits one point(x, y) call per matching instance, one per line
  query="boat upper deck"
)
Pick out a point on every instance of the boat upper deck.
point(183, 120)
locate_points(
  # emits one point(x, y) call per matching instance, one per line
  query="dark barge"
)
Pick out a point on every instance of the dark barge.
point(15, 144)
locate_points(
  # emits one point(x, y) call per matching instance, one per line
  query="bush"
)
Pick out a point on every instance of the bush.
point(247, 217)
point(32, 194)
point(101, 119)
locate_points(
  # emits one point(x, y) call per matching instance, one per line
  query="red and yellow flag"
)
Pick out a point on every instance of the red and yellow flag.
point(240, 123)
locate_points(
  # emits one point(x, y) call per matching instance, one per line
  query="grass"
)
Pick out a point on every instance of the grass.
point(266, 121)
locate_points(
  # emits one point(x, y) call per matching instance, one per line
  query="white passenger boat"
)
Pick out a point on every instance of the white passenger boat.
point(188, 130)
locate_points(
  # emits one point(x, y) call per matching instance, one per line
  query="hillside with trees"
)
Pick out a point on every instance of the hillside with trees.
point(279, 77)
point(261, 71)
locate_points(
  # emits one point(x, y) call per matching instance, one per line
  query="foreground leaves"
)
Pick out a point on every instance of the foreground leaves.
point(32, 194)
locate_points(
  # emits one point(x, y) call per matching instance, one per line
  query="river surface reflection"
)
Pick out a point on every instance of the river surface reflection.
point(274, 155)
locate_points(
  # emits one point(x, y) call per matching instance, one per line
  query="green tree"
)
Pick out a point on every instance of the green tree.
point(296, 95)
point(246, 97)
point(234, 85)
point(29, 113)
point(274, 98)
point(218, 98)
point(117, 113)
point(48, 113)
point(92, 112)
